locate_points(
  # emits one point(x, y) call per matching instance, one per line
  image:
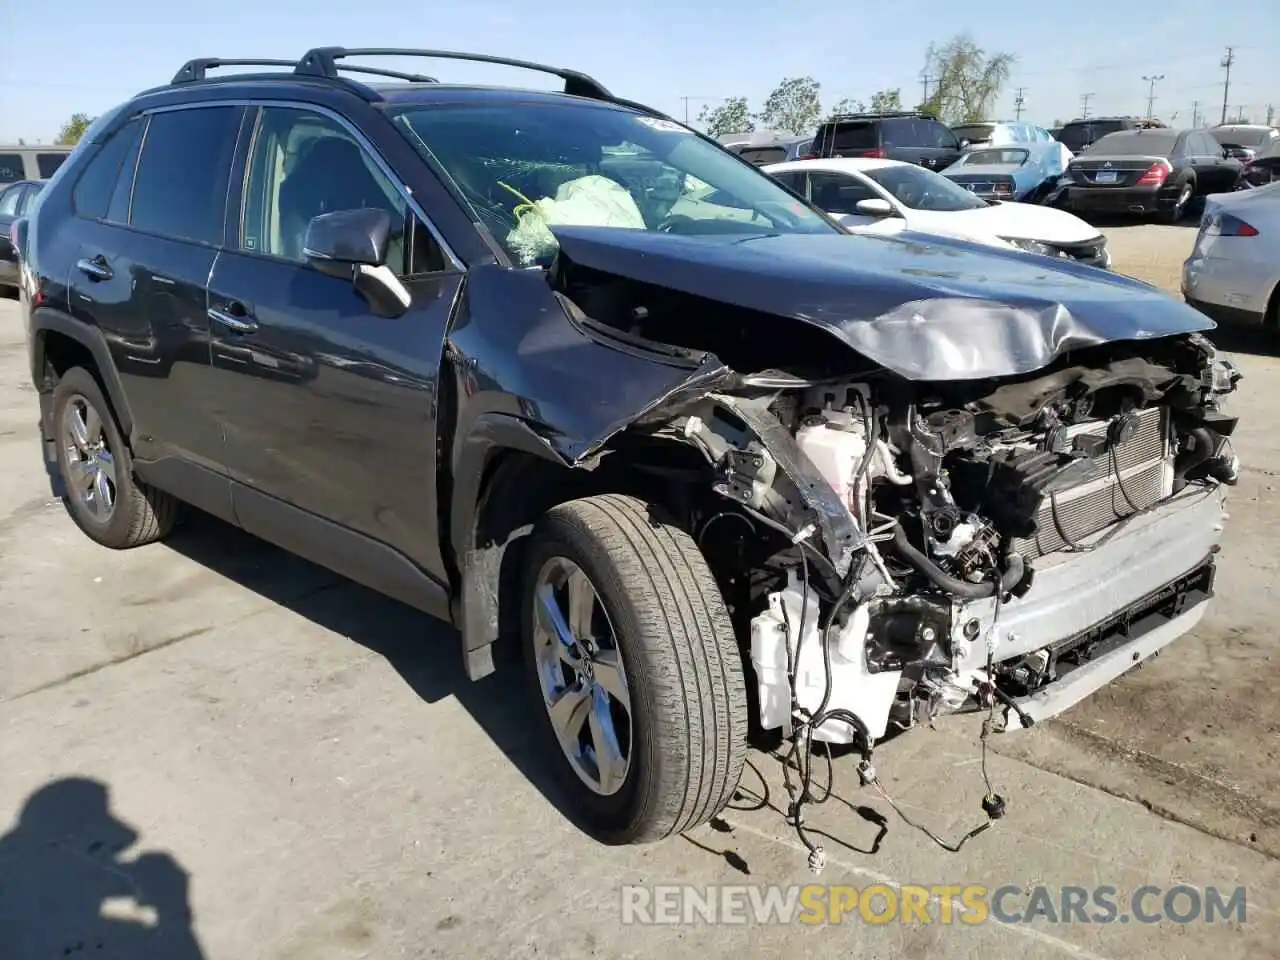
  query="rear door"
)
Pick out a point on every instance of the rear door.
point(329, 408)
point(153, 204)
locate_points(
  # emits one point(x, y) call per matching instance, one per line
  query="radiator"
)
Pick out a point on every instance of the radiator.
point(1096, 499)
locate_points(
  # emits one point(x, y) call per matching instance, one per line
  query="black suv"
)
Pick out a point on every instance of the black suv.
point(556, 368)
point(911, 136)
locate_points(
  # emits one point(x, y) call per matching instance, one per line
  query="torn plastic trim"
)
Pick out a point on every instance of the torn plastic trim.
point(840, 534)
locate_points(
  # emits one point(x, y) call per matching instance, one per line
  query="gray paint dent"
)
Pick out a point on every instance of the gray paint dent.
point(924, 307)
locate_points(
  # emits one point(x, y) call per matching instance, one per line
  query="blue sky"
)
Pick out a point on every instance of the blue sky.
point(78, 55)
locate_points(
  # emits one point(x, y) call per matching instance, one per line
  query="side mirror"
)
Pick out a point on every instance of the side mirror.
point(352, 245)
point(964, 144)
point(875, 207)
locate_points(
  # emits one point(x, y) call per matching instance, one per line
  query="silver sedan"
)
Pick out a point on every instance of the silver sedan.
point(1233, 273)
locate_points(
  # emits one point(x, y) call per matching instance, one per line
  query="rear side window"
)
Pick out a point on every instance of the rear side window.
point(852, 135)
point(92, 195)
point(181, 185)
point(11, 168)
point(48, 163)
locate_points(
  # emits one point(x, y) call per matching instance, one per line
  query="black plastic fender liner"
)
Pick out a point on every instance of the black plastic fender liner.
point(477, 604)
point(45, 320)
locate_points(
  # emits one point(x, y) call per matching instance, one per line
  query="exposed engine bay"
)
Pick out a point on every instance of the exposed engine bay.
point(915, 514)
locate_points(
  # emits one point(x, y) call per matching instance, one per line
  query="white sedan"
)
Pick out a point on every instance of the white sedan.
point(1233, 272)
point(888, 196)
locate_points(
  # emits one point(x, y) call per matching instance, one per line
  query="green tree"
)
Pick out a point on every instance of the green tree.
point(967, 79)
point(74, 128)
point(732, 116)
point(847, 105)
point(886, 101)
point(794, 106)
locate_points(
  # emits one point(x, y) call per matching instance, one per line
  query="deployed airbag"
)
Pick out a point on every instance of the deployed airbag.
point(590, 201)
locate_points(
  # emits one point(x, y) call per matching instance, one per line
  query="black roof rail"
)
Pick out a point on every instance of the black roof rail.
point(881, 115)
point(323, 62)
point(195, 70)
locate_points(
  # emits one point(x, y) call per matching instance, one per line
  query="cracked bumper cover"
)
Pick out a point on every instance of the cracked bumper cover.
point(1080, 591)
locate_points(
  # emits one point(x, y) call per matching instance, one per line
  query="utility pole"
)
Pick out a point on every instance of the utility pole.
point(1227, 61)
point(1084, 105)
point(1151, 94)
point(1195, 113)
point(1017, 104)
point(925, 80)
point(1271, 112)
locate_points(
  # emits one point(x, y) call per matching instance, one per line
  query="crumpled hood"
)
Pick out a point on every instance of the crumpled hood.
point(925, 307)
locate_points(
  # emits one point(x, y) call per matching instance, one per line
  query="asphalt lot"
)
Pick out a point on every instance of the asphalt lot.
point(209, 748)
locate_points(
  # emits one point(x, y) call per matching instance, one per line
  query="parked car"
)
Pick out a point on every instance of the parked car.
point(1244, 141)
point(1264, 168)
point(1080, 135)
point(1027, 172)
point(25, 162)
point(1158, 171)
point(1233, 273)
point(999, 133)
point(647, 448)
point(910, 136)
point(766, 147)
point(887, 197)
point(14, 201)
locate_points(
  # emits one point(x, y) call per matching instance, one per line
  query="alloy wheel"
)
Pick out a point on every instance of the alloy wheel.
point(581, 675)
point(91, 464)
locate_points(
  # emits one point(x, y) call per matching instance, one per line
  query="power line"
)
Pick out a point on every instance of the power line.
point(1017, 104)
point(1226, 86)
point(1151, 93)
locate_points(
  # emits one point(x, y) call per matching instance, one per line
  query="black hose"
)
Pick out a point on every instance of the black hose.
point(953, 585)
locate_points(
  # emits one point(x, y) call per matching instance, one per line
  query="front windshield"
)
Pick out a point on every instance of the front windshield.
point(526, 168)
point(920, 189)
point(1013, 158)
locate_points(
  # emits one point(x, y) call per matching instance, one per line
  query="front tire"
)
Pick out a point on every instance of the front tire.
point(633, 665)
point(101, 494)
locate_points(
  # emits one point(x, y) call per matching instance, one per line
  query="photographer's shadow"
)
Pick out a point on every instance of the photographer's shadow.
point(66, 890)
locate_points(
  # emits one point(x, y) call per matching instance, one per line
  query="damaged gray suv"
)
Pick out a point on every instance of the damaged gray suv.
point(564, 372)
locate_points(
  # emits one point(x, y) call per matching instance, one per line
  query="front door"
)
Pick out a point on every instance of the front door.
point(327, 406)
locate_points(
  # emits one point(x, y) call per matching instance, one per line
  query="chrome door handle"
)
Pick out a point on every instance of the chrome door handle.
point(238, 324)
point(94, 268)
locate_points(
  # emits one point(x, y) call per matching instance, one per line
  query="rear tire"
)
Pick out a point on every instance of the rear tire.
point(656, 616)
point(103, 497)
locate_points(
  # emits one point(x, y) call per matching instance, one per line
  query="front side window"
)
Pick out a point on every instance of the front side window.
point(181, 185)
point(839, 192)
point(920, 189)
point(304, 164)
point(527, 168)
